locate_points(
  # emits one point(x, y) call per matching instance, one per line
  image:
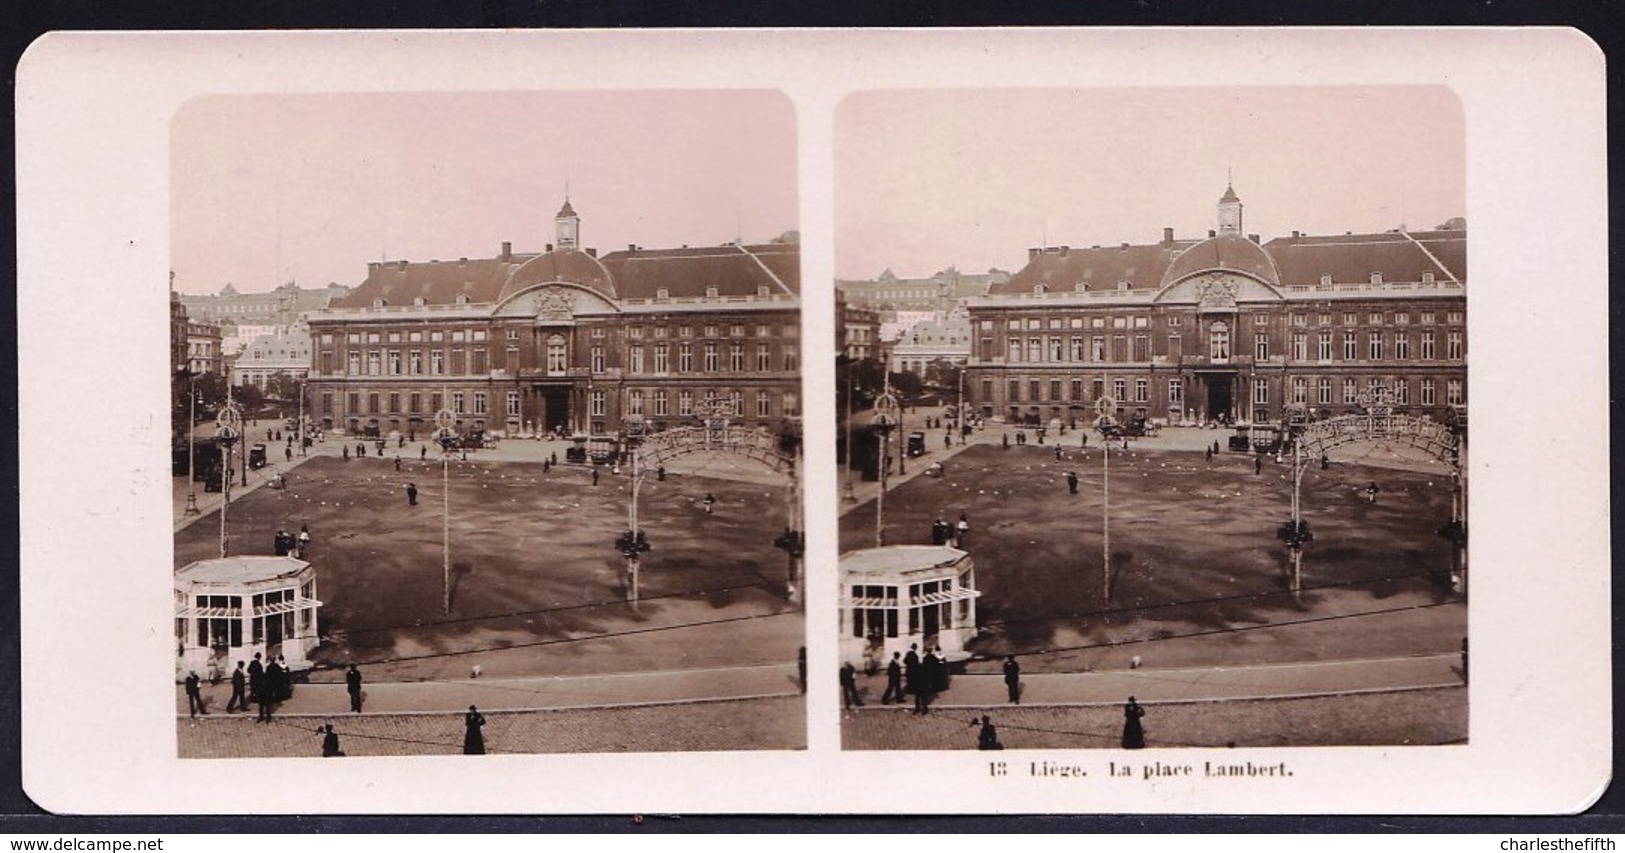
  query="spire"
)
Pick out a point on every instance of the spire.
point(1229, 208)
point(566, 224)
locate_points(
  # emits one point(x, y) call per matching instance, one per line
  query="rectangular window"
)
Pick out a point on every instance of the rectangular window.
point(1015, 351)
point(1323, 391)
point(327, 363)
point(374, 363)
point(1097, 387)
point(634, 332)
point(479, 335)
point(1402, 346)
point(1218, 345)
point(414, 362)
point(1300, 346)
point(437, 363)
point(1035, 349)
point(1261, 392)
point(792, 404)
point(480, 366)
point(662, 359)
point(1374, 346)
point(634, 359)
point(736, 358)
point(372, 337)
point(685, 331)
point(634, 402)
point(685, 358)
point(1014, 389)
point(987, 391)
point(1056, 352)
point(1119, 322)
point(1300, 390)
point(1077, 348)
point(660, 333)
point(1350, 318)
point(1452, 345)
point(1402, 392)
point(1428, 392)
point(1351, 391)
point(1119, 348)
point(1077, 390)
point(1300, 319)
point(1142, 348)
point(1402, 318)
point(1175, 346)
point(792, 356)
point(1176, 393)
point(736, 402)
point(596, 401)
point(354, 364)
point(479, 402)
point(458, 336)
point(1035, 390)
point(764, 404)
point(1173, 321)
point(457, 402)
point(598, 332)
point(372, 403)
point(414, 403)
point(394, 402)
point(327, 402)
point(710, 358)
point(355, 403)
point(1375, 319)
point(1426, 318)
point(513, 404)
point(710, 331)
point(1453, 318)
point(1120, 389)
point(435, 402)
point(1427, 346)
point(1351, 347)
point(459, 362)
point(1055, 389)
point(685, 403)
point(1261, 347)
point(597, 359)
point(660, 403)
point(1452, 392)
point(1142, 390)
point(1261, 320)
point(764, 358)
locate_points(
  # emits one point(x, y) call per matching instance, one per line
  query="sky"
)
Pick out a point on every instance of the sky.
point(973, 178)
point(267, 189)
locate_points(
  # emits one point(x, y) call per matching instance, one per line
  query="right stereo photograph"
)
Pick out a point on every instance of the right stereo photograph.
point(1152, 418)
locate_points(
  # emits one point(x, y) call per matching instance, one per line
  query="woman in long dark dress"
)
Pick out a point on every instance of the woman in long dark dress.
point(330, 742)
point(1133, 732)
point(473, 740)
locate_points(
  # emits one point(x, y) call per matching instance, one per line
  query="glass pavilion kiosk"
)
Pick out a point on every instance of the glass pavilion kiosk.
point(229, 608)
point(899, 595)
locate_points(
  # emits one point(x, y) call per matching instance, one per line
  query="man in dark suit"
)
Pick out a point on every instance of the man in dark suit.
point(849, 686)
point(239, 682)
point(911, 667)
point(894, 680)
point(352, 681)
point(1012, 679)
point(256, 678)
point(194, 696)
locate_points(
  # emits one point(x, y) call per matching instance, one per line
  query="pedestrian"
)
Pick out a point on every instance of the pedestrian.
point(1463, 660)
point(849, 686)
point(937, 671)
point(360, 449)
point(595, 478)
point(894, 680)
point(1012, 679)
point(546, 466)
point(288, 453)
point(411, 494)
point(397, 463)
point(1258, 465)
point(281, 542)
point(1207, 452)
point(947, 439)
point(239, 682)
point(1084, 441)
point(1371, 493)
point(1325, 462)
point(256, 678)
point(273, 680)
point(352, 682)
point(194, 696)
point(938, 535)
point(304, 538)
point(1133, 731)
point(265, 701)
point(1072, 482)
point(911, 671)
point(709, 501)
point(346, 449)
point(1057, 453)
point(801, 669)
point(423, 452)
point(400, 441)
point(553, 458)
point(660, 474)
point(330, 742)
point(988, 736)
point(1215, 447)
point(473, 740)
point(961, 530)
point(1004, 441)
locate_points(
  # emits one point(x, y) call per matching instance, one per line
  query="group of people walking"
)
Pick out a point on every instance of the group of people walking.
point(951, 534)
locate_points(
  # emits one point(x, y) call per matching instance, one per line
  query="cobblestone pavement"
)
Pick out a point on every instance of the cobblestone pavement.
point(770, 723)
point(1412, 718)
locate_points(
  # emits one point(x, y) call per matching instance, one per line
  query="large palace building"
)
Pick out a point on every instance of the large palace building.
point(1226, 328)
point(565, 339)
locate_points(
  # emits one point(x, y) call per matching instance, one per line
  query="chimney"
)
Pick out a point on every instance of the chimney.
point(1296, 235)
point(631, 247)
point(1167, 236)
point(591, 252)
point(549, 247)
point(1065, 250)
point(1033, 253)
point(372, 267)
point(507, 251)
point(400, 265)
point(462, 261)
point(1124, 247)
point(1211, 233)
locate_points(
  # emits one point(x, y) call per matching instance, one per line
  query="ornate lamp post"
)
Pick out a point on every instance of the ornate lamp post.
point(885, 420)
point(632, 543)
point(793, 542)
point(445, 435)
point(228, 430)
point(191, 444)
point(1295, 533)
point(1104, 407)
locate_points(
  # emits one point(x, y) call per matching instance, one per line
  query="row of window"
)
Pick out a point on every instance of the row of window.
point(476, 361)
point(652, 402)
point(1174, 321)
point(475, 335)
point(1298, 388)
point(1121, 348)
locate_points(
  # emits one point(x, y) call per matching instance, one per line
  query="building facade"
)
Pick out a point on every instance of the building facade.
point(943, 338)
point(203, 354)
point(857, 329)
point(564, 340)
point(1226, 328)
point(286, 351)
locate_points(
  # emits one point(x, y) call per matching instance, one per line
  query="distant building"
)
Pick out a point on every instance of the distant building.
point(178, 347)
point(286, 351)
point(564, 339)
point(939, 293)
point(1227, 327)
point(243, 317)
point(942, 338)
point(857, 330)
point(203, 353)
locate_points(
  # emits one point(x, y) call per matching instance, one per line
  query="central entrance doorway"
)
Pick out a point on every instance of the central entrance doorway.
point(1219, 401)
point(555, 406)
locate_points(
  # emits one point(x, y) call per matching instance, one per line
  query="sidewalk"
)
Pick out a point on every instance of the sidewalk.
point(526, 694)
point(1197, 684)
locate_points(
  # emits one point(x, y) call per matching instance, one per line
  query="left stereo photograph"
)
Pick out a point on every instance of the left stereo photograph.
point(486, 423)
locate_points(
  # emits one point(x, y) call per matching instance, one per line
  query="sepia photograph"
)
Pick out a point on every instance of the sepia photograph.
point(1153, 418)
point(486, 424)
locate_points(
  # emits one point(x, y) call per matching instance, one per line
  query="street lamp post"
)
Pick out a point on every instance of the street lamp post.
point(191, 445)
point(444, 434)
point(633, 544)
point(851, 494)
point(885, 419)
point(301, 426)
point(228, 429)
point(1105, 406)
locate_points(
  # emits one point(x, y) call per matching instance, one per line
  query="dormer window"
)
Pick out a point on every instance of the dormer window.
point(762, 290)
point(1376, 278)
point(1040, 289)
point(1122, 285)
point(378, 302)
point(710, 293)
point(1427, 277)
point(1325, 280)
point(462, 299)
point(662, 293)
point(419, 301)
point(1080, 287)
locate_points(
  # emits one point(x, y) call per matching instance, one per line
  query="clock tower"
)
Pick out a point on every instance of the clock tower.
point(1229, 211)
point(567, 227)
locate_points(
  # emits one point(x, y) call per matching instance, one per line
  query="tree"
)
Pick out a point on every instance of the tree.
point(282, 386)
point(248, 396)
point(943, 373)
point(906, 384)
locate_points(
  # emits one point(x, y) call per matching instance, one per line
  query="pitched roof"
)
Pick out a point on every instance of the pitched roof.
point(1354, 257)
point(1097, 268)
point(438, 283)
